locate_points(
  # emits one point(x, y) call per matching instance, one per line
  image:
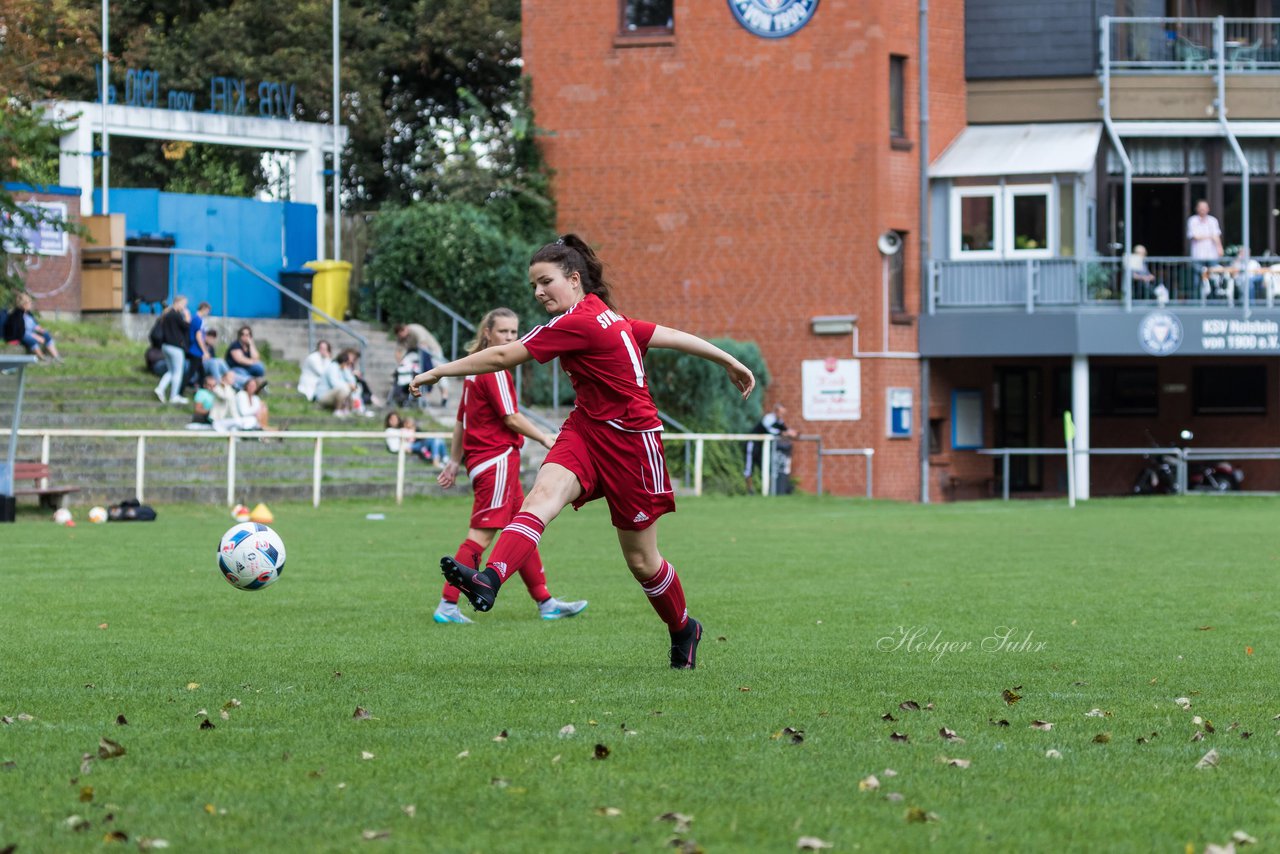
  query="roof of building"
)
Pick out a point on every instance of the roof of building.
point(1030, 149)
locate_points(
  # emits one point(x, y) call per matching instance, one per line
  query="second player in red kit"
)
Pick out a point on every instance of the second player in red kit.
point(610, 447)
point(487, 438)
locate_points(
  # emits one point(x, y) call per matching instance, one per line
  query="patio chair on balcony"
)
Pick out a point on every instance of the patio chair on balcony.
point(1192, 56)
point(1245, 58)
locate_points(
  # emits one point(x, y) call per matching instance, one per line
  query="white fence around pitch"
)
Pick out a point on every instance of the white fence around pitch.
point(230, 441)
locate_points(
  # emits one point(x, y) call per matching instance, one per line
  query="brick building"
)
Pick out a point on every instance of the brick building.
point(736, 183)
point(53, 271)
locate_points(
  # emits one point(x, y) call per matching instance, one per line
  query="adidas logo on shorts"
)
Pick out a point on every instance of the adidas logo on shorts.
point(641, 517)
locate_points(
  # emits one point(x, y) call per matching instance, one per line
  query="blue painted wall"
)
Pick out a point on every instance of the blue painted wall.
point(268, 236)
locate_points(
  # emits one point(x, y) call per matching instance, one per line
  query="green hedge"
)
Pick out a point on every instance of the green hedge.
point(698, 394)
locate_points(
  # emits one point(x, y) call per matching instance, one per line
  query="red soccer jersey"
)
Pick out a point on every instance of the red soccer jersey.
point(486, 399)
point(603, 354)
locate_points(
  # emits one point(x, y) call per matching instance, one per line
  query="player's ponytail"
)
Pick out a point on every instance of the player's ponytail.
point(484, 331)
point(572, 255)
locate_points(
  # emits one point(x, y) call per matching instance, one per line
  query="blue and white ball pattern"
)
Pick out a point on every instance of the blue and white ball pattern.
point(251, 556)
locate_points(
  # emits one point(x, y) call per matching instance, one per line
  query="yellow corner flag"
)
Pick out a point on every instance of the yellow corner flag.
point(1068, 427)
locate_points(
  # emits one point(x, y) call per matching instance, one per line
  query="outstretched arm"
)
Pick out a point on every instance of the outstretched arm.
point(674, 339)
point(487, 361)
point(522, 425)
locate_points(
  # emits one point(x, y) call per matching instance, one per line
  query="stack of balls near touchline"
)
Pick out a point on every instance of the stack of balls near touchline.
point(251, 554)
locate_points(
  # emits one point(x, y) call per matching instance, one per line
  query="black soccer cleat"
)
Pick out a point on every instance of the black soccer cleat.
point(480, 588)
point(684, 645)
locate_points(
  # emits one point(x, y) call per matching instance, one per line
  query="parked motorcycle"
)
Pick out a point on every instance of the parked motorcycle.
point(1159, 475)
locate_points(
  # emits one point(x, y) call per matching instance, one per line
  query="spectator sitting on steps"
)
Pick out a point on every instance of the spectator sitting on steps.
point(214, 364)
point(250, 409)
point(244, 359)
point(336, 386)
point(21, 327)
point(313, 368)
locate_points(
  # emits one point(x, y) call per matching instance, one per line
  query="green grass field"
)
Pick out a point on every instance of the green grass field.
point(1128, 605)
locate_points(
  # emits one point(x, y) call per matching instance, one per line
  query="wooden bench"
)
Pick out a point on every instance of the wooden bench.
point(50, 496)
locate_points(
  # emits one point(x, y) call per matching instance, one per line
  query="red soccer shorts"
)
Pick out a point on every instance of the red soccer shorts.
point(498, 494)
point(627, 470)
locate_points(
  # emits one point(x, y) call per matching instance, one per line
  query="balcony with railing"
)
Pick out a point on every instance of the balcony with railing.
point(1191, 45)
point(1102, 283)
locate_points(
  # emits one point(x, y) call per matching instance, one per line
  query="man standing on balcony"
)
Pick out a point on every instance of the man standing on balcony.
point(1205, 234)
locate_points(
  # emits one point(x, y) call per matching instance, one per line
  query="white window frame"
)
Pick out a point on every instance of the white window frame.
point(1012, 191)
point(1002, 198)
point(958, 194)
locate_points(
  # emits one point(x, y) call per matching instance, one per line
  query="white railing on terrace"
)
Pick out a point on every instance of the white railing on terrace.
point(1100, 282)
point(229, 443)
point(1193, 45)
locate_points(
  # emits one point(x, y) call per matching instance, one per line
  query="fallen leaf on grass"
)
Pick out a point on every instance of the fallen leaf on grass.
point(115, 836)
point(1011, 695)
point(1102, 738)
point(899, 736)
point(909, 706)
point(121, 720)
point(233, 703)
point(86, 794)
point(811, 843)
point(191, 686)
point(796, 735)
point(567, 730)
point(744, 688)
point(77, 822)
point(108, 749)
point(366, 755)
point(1199, 736)
point(148, 843)
point(6, 720)
point(888, 716)
point(224, 714)
point(208, 724)
point(608, 812)
point(103, 625)
point(1043, 726)
point(915, 814)
point(600, 752)
point(464, 754)
point(1229, 848)
point(894, 797)
point(1242, 838)
point(1143, 739)
point(361, 714)
point(370, 835)
point(499, 782)
point(409, 810)
point(679, 819)
point(1184, 702)
point(685, 846)
point(1052, 754)
point(869, 783)
point(86, 762)
point(1001, 722)
point(1205, 629)
point(9, 765)
point(1246, 735)
point(1097, 713)
point(502, 736)
point(1209, 760)
point(956, 763)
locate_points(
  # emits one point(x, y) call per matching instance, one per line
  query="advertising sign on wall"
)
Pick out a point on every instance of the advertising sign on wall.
point(832, 389)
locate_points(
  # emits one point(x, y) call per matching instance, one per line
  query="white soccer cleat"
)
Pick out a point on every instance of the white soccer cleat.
point(555, 609)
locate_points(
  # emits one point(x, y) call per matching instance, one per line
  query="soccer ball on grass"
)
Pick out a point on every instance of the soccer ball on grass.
point(251, 556)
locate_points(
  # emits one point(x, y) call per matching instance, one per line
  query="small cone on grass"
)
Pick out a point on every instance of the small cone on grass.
point(262, 515)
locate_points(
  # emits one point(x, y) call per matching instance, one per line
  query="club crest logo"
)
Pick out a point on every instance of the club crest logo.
point(773, 19)
point(1160, 333)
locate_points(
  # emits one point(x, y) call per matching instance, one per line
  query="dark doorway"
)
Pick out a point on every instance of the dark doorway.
point(1018, 425)
point(1159, 218)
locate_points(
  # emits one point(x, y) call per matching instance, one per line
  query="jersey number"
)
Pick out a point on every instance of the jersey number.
point(634, 352)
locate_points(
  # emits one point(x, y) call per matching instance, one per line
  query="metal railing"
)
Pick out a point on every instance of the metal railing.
point(1100, 282)
point(230, 441)
point(224, 260)
point(1191, 45)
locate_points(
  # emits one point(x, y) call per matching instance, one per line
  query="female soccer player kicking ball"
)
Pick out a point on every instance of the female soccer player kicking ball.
point(488, 436)
point(609, 447)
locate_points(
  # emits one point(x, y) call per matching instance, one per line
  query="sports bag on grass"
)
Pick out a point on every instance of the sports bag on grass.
point(131, 511)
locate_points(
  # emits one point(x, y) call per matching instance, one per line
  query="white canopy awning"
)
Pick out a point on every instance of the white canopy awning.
point(1032, 149)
